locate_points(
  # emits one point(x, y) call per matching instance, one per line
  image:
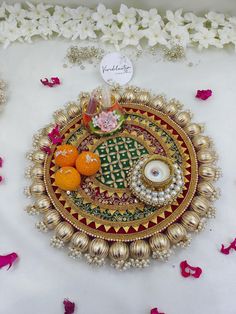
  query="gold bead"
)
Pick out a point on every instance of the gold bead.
point(98, 248)
point(119, 251)
point(80, 241)
point(37, 188)
point(139, 249)
point(128, 96)
point(201, 142)
point(60, 117)
point(64, 231)
point(143, 97)
point(200, 205)
point(159, 102)
point(172, 107)
point(159, 242)
point(206, 156)
point(42, 203)
point(73, 109)
point(183, 118)
point(206, 189)
point(176, 233)
point(38, 156)
point(208, 172)
point(44, 141)
point(36, 172)
point(190, 220)
point(193, 129)
point(52, 218)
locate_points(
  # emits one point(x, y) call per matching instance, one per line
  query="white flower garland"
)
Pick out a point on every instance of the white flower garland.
point(130, 26)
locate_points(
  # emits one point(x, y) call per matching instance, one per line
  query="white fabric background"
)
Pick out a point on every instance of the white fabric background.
point(43, 277)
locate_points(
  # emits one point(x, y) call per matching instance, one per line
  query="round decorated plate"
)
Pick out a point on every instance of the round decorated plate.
point(104, 217)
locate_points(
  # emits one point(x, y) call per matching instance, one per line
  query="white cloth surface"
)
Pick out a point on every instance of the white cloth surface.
point(44, 276)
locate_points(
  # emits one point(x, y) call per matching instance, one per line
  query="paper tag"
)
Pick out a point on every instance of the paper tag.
point(116, 68)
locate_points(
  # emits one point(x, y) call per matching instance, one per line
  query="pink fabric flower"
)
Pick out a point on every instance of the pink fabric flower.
point(8, 260)
point(107, 121)
point(155, 311)
point(204, 94)
point(187, 270)
point(226, 250)
point(55, 136)
point(69, 306)
point(54, 81)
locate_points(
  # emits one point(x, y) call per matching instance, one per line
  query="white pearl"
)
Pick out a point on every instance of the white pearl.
point(161, 193)
point(154, 194)
point(155, 199)
point(173, 193)
point(161, 199)
point(167, 197)
point(177, 188)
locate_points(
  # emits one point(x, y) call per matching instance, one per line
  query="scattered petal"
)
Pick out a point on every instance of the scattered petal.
point(1, 162)
point(47, 150)
point(1, 179)
point(187, 270)
point(69, 306)
point(226, 250)
point(54, 136)
point(155, 311)
point(8, 260)
point(54, 81)
point(203, 94)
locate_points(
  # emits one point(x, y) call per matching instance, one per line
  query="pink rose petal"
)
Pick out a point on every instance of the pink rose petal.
point(55, 136)
point(54, 81)
point(69, 306)
point(155, 311)
point(1, 179)
point(203, 94)
point(47, 150)
point(1, 162)
point(8, 260)
point(188, 270)
point(226, 250)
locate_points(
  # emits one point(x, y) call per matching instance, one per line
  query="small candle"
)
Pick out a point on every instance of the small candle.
point(157, 171)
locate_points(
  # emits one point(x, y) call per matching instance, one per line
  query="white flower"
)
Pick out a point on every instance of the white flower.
point(80, 13)
point(232, 21)
point(216, 19)
point(126, 15)
point(3, 10)
point(68, 29)
point(227, 35)
point(132, 35)
point(9, 32)
point(180, 35)
point(84, 30)
point(174, 19)
point(156, 35)
point(194, 22)
point(149, 18)
point(46, 27)
point(38, 11)
point(60, 15)
point(29, 28)
point(103, 16)
point(206, 37)
point(112, 34)
point(16, 11)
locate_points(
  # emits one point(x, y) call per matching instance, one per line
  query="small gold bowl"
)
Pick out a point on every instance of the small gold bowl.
point(158, 171)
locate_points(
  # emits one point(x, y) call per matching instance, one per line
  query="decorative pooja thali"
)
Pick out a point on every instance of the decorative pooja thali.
point(140, 179)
